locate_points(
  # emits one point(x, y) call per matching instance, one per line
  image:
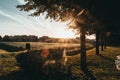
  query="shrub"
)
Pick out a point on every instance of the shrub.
point(56, 53)
point(43, 68)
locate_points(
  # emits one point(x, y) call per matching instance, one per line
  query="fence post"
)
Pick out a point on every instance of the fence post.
point(28, 46)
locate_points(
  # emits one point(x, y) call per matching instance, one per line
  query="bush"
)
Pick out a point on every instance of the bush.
point(56, 53)
point(43, 68)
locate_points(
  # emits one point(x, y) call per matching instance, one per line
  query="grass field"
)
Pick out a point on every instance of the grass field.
point(41, 45)
point(102, 67)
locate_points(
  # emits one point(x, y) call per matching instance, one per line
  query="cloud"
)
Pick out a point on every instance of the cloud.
point(20, 19)
point(42, 22)
point(9, 16)
point(29, 22)
point(21, 1)
point(35, 24)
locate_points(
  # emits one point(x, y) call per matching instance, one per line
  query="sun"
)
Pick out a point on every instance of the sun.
point(91, 36)
point(63, 33)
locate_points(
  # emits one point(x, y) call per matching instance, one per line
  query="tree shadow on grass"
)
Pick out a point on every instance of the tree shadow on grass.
point(10, 48)
point(88, 75)
point(16, 75)
point(106, 58)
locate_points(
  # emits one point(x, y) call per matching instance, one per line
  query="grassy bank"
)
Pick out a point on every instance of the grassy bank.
point(102, 67)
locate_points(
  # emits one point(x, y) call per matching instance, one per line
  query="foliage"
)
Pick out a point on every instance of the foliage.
point(0, 38)
point(19, 38)
point(33, 38)
point(59, 10)
point(43, 68)
point(56, 53)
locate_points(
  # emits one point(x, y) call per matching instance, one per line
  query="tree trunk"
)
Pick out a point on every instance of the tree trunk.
point(97, 43)
point(83, 50)
point(105, 41)
point(102, 41)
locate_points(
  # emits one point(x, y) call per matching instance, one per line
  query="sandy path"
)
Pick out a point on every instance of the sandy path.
point(3, 51)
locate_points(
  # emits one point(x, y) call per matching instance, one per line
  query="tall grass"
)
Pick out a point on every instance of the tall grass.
point(102, 67)
point(41, 45)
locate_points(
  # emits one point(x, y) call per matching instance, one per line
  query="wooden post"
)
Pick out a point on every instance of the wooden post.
point(97, 43)
point(102, 41)
point(83, 50)
point(28, 46)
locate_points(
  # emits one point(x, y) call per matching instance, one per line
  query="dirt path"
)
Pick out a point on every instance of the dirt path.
point(6, 52)
point(3, 51)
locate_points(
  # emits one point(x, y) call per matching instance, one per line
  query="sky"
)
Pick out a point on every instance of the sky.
point(15, 22)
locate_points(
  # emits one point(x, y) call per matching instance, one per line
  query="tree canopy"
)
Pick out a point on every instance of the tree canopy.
point(75, 11)
point(106, 11)
point(56, 9)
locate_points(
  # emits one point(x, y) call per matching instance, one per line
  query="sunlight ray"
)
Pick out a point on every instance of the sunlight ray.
point(19, 19)
point(21, 1)
point(48, 26)
point(39, 25)
point(9, 16)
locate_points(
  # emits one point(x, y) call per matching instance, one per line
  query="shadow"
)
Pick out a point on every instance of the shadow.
point(88, 75)
point(10, 48)
point(38, 67)
point(75, 52)
point(20, 75)
point(72, 53)
point(16, 75)
point(106, 58)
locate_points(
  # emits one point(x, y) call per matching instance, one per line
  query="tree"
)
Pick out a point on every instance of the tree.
point(59, 10)
point(6, 38)
point(83, 26)
point(98, 30)
point(0, 38)
point(108, 14)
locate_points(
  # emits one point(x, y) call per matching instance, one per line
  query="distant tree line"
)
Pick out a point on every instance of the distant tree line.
point(33, 38)
point(19, 38)
point(58, 40)
point(113, 38)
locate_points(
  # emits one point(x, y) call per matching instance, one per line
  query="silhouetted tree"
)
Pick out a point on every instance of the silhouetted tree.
point(64, 10)
point(20, 38)
point(6, 38)
point(0, 38)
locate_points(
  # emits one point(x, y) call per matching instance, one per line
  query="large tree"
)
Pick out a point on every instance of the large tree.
point(0, 38)
point(83, 26)
point(75, 11)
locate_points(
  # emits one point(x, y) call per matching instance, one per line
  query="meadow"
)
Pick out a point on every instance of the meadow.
point(102, 66)
point(43, 45)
